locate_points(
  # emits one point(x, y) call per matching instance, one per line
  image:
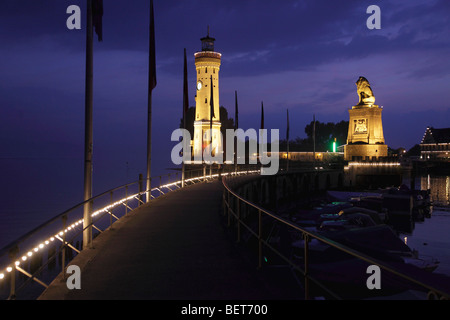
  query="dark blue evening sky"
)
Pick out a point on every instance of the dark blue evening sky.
point(301, 55)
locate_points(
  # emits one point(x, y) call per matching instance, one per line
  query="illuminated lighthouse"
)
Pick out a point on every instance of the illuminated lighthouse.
point(207, 114)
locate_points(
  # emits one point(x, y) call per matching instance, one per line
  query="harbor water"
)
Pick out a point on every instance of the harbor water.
point(432, 237)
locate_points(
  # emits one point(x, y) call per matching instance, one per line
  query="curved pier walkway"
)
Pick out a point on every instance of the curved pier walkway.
point(174, 248)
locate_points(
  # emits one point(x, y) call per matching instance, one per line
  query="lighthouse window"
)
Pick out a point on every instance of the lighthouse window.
point(206, 100)
point(206, 70)
point(214, 70)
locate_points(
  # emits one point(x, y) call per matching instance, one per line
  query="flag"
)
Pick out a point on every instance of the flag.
point(97, 15)
point(262, 115)
point(152, 60)
point(185, 91)
point(287, 128)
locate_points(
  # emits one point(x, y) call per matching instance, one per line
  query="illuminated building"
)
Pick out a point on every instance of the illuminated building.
point(435, 144)
point(207, 65)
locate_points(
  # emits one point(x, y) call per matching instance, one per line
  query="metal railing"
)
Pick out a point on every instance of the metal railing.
point(233, 205)
point(36, 258)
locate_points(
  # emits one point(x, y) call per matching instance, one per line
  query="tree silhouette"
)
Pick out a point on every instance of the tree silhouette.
point(325, 134)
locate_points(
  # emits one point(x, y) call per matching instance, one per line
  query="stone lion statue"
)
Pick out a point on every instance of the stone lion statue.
point(365, 93)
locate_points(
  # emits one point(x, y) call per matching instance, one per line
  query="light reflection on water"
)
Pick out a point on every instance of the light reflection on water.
point(439, 188)
point(432, 239)
point(432, 236)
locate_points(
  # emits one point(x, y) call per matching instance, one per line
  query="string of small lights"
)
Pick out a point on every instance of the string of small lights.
point(71, 227)
point(372, 164)
point(107, 208)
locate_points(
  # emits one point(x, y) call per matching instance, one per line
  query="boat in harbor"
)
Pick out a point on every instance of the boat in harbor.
point(377, 241)
point(363, 222)
point(392, 201)
point(358, 228)
point(346, 274)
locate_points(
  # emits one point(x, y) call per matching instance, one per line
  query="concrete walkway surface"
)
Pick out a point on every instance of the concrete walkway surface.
point(174, 248)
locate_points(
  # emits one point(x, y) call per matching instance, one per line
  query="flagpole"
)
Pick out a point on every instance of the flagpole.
point(314, 141)
point(88, 140)
point(211, 102)
point(149, 146)
point(151, 85)
point(287, 138)
point(185, 106)
point(182, 170)
point(236, 126)
point(261, 132)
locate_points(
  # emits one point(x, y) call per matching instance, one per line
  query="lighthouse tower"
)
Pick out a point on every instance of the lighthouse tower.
point(207, 114)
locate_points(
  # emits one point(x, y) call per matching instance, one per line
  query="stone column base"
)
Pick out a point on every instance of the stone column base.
point(365, 151)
